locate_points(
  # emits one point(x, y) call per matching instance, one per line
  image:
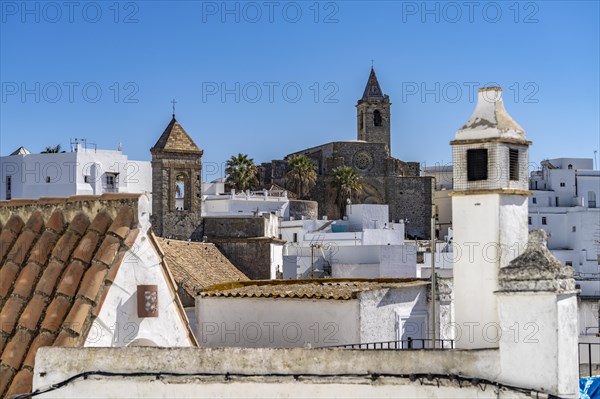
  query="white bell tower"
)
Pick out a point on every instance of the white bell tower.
point(489, 208)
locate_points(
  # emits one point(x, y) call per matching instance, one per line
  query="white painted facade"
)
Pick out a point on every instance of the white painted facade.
point(249, 203)
point(82, 171)
point(117, 323)
point(376, 315)
point(363, 245)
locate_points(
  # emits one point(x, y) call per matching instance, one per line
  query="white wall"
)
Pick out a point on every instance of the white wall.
point(276, 323)
point(67, 173)
point(117, 323)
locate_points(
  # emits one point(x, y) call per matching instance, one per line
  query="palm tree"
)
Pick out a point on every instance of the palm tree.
point(52, 150)
point(348, 185)
point(302, 175)
point(241, 172)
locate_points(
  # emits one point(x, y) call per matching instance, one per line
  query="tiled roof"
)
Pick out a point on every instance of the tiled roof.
point(58, 256)
point(328, 288)
point(372, 89)
point(175, 139)
point(196, 265)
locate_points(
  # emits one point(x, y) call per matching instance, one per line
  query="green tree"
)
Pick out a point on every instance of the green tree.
point(52, 150)
point(241, 172)
point(348, 186)
point(302, 176)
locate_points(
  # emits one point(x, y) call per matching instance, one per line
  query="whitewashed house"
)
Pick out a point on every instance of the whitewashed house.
point(81, 171)
point(363, 245)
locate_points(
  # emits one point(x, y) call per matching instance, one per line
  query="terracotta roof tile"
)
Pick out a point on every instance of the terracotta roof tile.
point(22, 382)
point(112, 272)
point(16, 349)
point(42, 339)
point(33, 312)
point(80, 223)
point(20, 249)
point(92, 281)
point(101, 222)
point(26, 280)
point(78, 316)
point(175, 139)
point(65, 245)
point(337, 289)
point(8, 273)
point(121, 225)
point(131, 237)
point(42, 248)
point(58, 260)
point(7, 239)
point(108, 250)
point(14, 224)
point(70, 280)
point(56, 221)
point(47, 282)
point(86, 247)
point(10, 313)
point(55, 314)
point(197, 265)
point(6, 376)
point(35, 222)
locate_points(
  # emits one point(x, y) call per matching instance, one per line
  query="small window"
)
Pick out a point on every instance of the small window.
point(529, 220)
point(544, 221)
point(86, 178)
point(8, 187)
point(570, 166)
point(534, 200)
point(110, 180)
point(47, 179)
point(569, 263)
point(295, 237)
point(574, 229)
point(360, 122)
point(477, 165)
point(513, 159)
point(377, 118)
point(562, 183)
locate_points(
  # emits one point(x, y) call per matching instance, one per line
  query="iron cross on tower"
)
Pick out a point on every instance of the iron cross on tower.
point(173, 102)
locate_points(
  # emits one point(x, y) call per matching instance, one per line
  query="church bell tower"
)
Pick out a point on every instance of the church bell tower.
point(373, 114)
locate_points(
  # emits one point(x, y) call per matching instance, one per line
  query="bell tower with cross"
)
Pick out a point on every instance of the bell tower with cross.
point(176, 183)
point(373, 114)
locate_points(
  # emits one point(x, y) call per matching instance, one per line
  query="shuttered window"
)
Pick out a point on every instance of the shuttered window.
point(513, 161)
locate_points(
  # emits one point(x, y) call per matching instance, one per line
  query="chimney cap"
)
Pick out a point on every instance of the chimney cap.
point(490, 120)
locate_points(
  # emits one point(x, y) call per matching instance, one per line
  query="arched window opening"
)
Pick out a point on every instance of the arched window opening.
point(360, 121)
point(377, 118)
point(570, 166)
point(181, 192)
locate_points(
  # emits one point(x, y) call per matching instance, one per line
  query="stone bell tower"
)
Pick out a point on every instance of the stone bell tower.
point(176, 184)
point(489, 208)
point(373, 114)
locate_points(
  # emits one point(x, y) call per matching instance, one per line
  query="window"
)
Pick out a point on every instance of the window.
point(513, 161)
point(534, 200)
point(8, 187)
point(47, 179)
point(477, 165)
point(295, 237)
point(569, 263)
point(591, 199)
point(377, 118)
point(182, 195)
point(86, 178)
point(529, 220)
point(360, 122)
point(562, 183)
point(570, 166)
point(544, 220)
point(574, 229)
point(110, 180)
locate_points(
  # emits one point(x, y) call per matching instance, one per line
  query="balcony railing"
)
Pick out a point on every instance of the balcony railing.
point(589, 359)
point(406, 344)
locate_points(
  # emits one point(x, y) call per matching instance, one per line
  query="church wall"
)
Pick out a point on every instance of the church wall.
point(411, 198)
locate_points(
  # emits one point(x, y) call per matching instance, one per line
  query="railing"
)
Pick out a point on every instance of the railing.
point(406, 344)
point(587, 358)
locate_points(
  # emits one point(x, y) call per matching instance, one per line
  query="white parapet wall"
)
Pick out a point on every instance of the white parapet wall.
point(139, 372)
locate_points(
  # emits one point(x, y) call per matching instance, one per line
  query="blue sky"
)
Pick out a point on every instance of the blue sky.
point(108, 72)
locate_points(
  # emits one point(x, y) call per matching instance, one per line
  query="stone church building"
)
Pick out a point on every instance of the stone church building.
point(385, 179)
